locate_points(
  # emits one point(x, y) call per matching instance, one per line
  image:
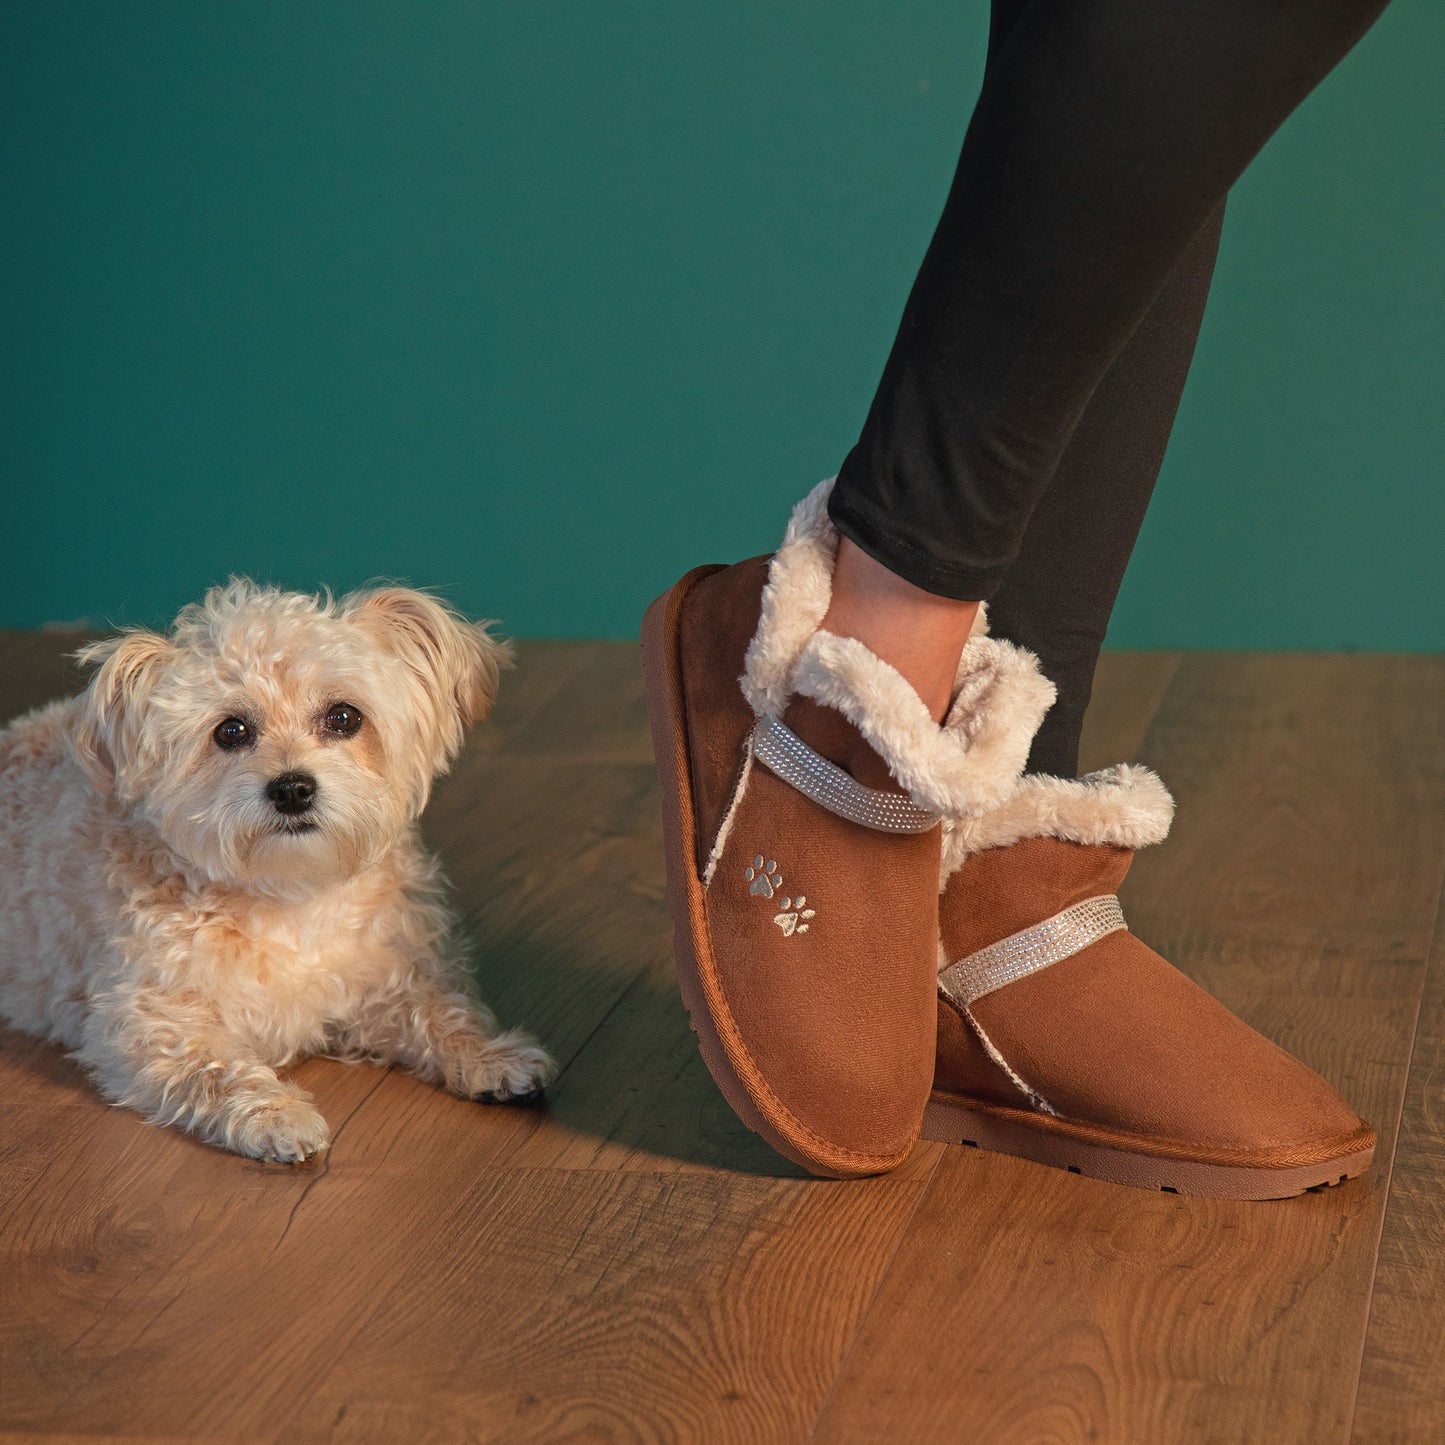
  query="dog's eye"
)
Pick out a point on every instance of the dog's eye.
point(233, 733)
point(343, 719)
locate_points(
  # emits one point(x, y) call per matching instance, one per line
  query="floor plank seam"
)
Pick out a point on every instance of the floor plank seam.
point(638, 980)
point(324, 1168)
point(1431, 957)
point(1175, 667)
point(863, 1314)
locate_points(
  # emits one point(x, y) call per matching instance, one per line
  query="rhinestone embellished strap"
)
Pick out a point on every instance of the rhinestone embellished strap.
point(1031, 949)
point(783, 752)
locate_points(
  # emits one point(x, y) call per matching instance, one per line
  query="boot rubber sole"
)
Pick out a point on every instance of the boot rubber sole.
point(1046, 1139)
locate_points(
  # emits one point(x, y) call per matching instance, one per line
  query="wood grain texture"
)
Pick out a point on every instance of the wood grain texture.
point(1402, 1382)
point(630, 1264)
point(1128, 690)
point(1030, 1305)
point(1300, 884)
point(620, 1307)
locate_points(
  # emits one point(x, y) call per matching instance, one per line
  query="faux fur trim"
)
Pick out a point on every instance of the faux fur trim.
point(1126, 806)
point(725, 831)
point(968, 765)
point(795, 601)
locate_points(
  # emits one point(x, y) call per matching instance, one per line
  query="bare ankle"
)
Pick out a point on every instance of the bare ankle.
point(916, 632)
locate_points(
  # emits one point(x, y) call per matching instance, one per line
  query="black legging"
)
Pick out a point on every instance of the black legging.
point(1021, 420)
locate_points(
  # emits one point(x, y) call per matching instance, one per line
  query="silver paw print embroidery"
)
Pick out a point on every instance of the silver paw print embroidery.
point(761, 880)
point(794, 916)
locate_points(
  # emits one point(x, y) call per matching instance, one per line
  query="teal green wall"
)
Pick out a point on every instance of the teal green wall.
point(542, 303)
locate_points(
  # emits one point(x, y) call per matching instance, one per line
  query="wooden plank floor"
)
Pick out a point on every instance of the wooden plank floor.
point(631, 1265)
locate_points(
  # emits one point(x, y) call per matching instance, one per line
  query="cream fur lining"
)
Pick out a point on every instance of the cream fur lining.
point(1126, 806)
point(725, 829)
point(795, 601)
point(1015, 1078)
point(972, 762)
point(966, 766)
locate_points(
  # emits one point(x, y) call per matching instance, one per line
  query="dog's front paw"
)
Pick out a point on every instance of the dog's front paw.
point(284, 1130)
point(511, 1069)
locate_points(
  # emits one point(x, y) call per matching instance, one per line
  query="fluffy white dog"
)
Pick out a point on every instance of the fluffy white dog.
point(210, 864)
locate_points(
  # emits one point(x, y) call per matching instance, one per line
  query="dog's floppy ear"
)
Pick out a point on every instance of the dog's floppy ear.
point(457, 663)
point(105, 722)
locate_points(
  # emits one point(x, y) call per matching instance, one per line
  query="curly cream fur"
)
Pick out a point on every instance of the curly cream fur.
point(159, 920)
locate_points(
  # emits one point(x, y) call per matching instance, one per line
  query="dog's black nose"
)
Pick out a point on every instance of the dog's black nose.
point(292, 792)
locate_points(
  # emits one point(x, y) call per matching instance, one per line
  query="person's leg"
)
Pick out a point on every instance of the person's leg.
point(1105, 138)
point(917, 632)
point(1059, 593)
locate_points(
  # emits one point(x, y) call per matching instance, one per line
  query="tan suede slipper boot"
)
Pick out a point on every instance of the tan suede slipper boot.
point(803, 781)
point(1064, 1039)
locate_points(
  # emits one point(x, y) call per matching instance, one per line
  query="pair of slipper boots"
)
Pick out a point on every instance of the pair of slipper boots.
point(884, 930)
